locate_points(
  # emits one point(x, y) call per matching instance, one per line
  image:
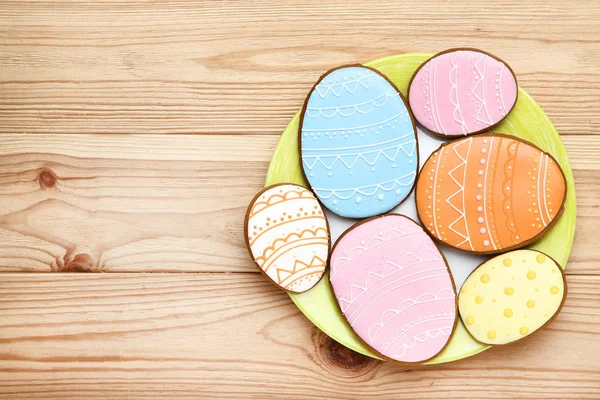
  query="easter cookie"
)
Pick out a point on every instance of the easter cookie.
point(489, 193)
point(512, 296)
point(462, 91)
point(393, 286)
point(358, 142)
point(288, 236)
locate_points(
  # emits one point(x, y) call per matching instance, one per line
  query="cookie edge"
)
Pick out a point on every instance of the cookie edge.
point(247, 241)
point(360, 339)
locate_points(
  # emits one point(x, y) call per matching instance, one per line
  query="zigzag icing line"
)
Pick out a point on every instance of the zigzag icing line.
point(481, 99)
point(365, 286)
point(400, 114)
point(278, 243)
point(454, 94)
point(361, 190)
point(316, 261)
point(349, 110)
point(376, 241)
point(460, 191)
point(361, 156)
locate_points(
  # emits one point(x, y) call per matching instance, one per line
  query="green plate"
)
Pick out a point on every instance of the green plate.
point(527, 120)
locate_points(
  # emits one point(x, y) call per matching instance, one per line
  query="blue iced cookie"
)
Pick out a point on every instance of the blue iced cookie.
point(358, 142)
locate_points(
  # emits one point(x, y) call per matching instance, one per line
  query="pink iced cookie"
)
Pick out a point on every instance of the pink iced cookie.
point(394, 287)
point(461, 92)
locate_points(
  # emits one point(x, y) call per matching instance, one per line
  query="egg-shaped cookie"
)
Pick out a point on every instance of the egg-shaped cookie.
point(462, 91)
point(489, 193)
point(512, 296)
point(394, 288)
point(358, 142)
point(288, 236)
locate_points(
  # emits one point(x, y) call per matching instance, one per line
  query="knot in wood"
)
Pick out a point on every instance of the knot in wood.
point(46, 178)
point(341, 357)
point(80, 263)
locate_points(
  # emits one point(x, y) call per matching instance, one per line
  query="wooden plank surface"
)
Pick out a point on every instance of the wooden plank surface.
point(94, 177)
point(121, 203)
point(75, 336)
point(245, 67)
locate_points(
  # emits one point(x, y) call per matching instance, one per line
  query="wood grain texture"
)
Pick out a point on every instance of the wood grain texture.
point(76, 194)
point(245, 67)
point(127, 203)
point(122, 203)
point(75, 336)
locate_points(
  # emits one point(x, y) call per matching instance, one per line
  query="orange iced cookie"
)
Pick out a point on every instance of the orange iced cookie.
point(489, 193)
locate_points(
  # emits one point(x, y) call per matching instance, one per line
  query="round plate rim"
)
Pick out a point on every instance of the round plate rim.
point(554, 147)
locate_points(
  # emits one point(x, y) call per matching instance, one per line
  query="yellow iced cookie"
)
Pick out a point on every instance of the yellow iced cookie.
point(511, 296)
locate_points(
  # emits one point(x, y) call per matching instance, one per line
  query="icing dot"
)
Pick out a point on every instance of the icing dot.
point(524, 330)
point(485, 278)
point(478, 299)
point(492, 334)
point(540, 258)
point(398, 192)
point(328, 174)
point(507, 262)
point(554, 290)
point(484, 150)
point(358, 199)
point(334, 202)
point(479, 208)
point(486, 242)
point(530, 303)
point(508, 313)
point(480, 172)
point(482, 161)
point(509, 291)
point(482, 230)
point(531, 275)
point(480, 220)
point(478, 197)
point(470, 320)
point(380, 196)
point(479, 185)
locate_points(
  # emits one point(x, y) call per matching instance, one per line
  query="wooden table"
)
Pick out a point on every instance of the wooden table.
point(133, 135)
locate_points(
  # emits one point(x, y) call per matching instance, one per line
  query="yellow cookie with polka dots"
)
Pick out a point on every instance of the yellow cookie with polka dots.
point(510, 296)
